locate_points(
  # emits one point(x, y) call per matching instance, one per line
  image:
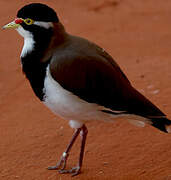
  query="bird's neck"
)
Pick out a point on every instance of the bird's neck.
point(40, 45)
point(35, 45)
point(36, 55)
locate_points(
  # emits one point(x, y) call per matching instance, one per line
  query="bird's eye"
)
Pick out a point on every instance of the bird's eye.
point(28, 21)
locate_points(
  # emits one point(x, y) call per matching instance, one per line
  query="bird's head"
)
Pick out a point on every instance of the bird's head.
point(38, 24)
point(33, 18)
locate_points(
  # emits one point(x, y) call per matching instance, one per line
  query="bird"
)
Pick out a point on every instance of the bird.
point(77, 79)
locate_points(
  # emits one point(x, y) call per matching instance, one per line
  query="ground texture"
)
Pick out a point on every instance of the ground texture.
point(138, 35)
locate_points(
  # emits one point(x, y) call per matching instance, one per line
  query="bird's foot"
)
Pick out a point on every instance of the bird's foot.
point(61, 164)
point(74, 171)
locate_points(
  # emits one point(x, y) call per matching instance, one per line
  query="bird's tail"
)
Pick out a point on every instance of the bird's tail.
point(162, 124)
point(141, 106)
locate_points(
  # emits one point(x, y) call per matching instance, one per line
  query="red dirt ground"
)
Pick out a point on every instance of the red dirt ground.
point(138, 35)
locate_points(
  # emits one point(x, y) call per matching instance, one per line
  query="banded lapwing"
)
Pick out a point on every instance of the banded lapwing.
point(77, 79)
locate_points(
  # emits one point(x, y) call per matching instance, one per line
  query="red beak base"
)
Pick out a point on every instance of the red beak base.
point(18, 20)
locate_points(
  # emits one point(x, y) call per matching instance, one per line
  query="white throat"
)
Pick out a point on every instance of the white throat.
point(28, 41)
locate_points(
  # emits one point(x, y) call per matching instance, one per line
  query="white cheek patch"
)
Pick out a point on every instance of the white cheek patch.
point(28, 41)
point(24, 33)
point(46, 25)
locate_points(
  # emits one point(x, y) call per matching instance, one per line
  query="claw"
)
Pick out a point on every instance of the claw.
point(61, 164)
point(74, 171)
point(53, 168)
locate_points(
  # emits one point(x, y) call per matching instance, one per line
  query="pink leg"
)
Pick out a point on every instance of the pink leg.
point(62, 163)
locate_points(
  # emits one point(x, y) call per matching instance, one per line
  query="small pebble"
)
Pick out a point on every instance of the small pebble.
point(150, 86)
point(156, 91)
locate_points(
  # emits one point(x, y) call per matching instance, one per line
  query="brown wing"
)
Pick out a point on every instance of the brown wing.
point(89, 72)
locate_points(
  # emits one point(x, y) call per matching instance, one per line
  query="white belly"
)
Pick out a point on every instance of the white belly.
point(68, 105)
point(76, 110)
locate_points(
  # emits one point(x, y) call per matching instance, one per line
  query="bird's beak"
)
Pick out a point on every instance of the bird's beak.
point(14, 24)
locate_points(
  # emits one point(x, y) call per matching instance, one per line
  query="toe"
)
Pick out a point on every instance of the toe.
point(53, 168)
point(74, 171)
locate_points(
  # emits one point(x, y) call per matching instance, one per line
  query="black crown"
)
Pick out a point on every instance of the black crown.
point(38, 12)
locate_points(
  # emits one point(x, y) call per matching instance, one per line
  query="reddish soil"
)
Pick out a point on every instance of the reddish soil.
point(138, 35)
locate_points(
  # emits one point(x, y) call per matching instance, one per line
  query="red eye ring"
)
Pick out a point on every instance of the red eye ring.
point(18, 20)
